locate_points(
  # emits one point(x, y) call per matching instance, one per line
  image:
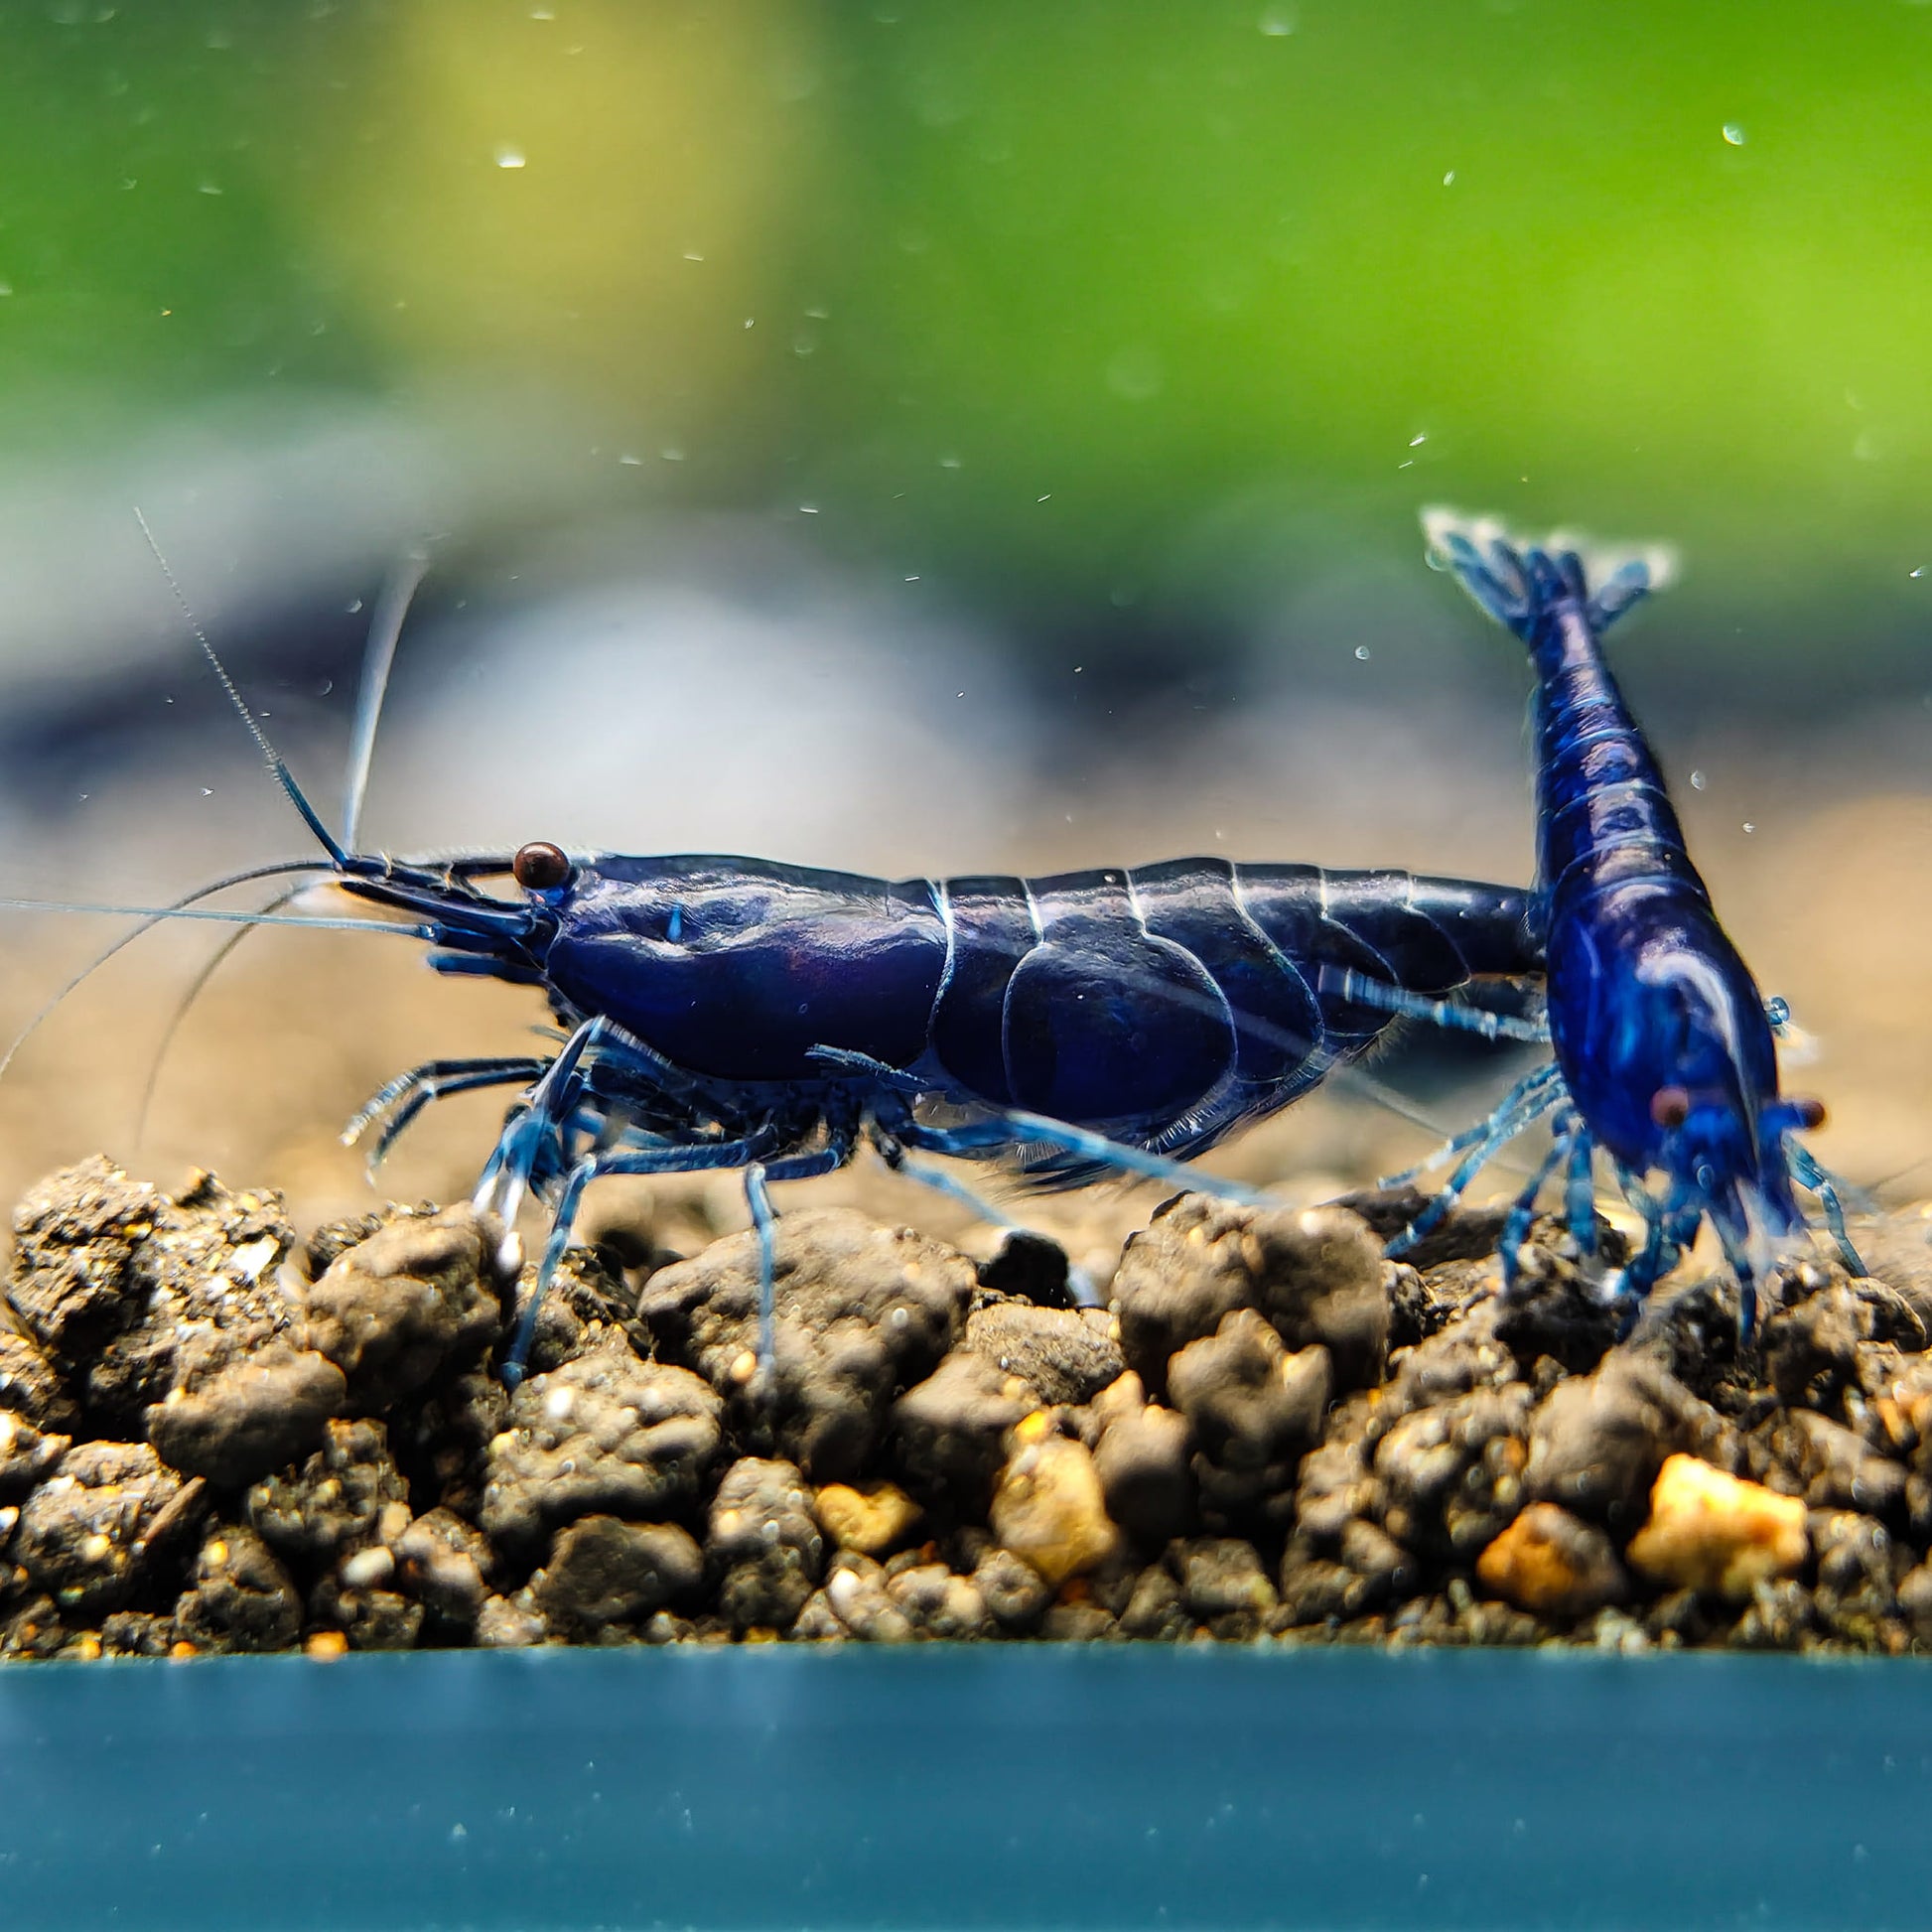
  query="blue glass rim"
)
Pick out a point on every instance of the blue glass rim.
point(969, 1786)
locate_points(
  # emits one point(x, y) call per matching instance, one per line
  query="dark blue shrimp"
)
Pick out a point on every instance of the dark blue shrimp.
point(1664, 1048)
point(733, 1013)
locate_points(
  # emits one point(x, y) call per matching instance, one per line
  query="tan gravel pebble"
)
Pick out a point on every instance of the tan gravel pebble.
point(871, 1521)
point(1553, 1564)
point(1049, 1509)
point(1715, 1532)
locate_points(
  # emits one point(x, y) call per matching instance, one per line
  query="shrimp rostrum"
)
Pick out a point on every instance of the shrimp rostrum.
point(731, 1012)
point(1665, 1056)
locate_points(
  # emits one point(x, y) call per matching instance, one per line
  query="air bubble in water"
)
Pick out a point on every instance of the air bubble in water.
point(1733, 134)
point(1361, 651)
point(1697, 781)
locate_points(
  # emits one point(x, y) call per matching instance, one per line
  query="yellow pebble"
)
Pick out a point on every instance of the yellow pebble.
point(870, 1521)
point(1713, 1531)
point(1049, 1509)
point(181, 1650)
point(744, 1366)
point(1033, 1427)
point(327, 1645)
point(217, 1553)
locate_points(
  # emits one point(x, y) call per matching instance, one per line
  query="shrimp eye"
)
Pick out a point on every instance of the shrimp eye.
point(540, 867)
point(1670, 1107)
point(1810, 1114)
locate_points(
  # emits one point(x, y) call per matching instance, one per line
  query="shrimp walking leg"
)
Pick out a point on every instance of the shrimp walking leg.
point(1014, 1127)
point(1516, 1227)
point(1809, 1172)
point(1079, 1283)
point(602, 1166)
point(765, 1220)
point(1532, 1087)
point(1579, 1192)
point(528, 1134)
point(1528, 1101)
point(941, 1183)
point(1344, 983)
point(1671, 1225)
point(399, 1102)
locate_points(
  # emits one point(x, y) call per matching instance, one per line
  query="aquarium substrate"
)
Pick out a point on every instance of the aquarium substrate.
point(217, 1436)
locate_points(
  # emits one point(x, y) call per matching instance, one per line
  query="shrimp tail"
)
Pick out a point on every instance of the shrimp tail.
point(1522, 585)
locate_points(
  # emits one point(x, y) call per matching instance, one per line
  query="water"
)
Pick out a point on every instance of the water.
point(966, 1787)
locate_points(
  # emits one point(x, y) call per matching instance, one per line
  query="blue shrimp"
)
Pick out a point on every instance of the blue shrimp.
point(1664, 1048)
point(733, 1013)
point(737, 1012)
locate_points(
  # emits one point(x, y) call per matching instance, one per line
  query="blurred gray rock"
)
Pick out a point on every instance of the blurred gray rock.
point(764, 1545)
point(418, 1295)
point(1451, 1477)
point(1255, 1410)
point(950, 1431)
point(341, 1499)
point(26, 1455)
point(239, 1597)
point(249, 1417)
point(1315, 1273)
point(30, 1386)
point(87, 1535)
point(605, 1435)
point(603, 1571)
point(1067, 1355)
point(862, 1314)
point(1597, 1442)
point(75, 1237)
point(1145, 1459)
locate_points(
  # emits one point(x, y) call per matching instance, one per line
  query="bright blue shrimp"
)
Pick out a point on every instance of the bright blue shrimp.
point(1663, 1052)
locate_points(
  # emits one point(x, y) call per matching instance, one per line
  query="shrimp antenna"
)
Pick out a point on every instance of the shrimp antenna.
point(385, 627)
point(223, 917)
point(279, 868)
point(277, 768)
point(196, 989)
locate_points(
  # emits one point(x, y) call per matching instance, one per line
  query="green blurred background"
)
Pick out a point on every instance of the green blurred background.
point(1105, 321)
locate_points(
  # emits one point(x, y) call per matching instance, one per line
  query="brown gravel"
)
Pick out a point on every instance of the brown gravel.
point(216, 1437)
